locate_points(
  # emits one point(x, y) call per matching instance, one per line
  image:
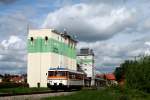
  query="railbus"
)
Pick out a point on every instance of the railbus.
point(64, 79)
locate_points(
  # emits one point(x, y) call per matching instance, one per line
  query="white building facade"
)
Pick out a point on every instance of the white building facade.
point(86, 60)
point(48, 49)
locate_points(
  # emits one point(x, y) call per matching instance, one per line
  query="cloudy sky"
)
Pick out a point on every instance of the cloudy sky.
point(115, 29)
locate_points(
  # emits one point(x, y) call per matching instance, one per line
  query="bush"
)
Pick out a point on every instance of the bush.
point(145, 88)
point(13, 85)
point(137, 74)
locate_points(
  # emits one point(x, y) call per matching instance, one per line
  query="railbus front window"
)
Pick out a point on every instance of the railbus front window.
point(51, 73)
point(60, 73)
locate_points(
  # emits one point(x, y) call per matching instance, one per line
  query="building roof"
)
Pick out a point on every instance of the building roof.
point(66, 35)
point(99, 75)
point(63, 34)
point(110, 76)
point(85, 52)
point(16, 78)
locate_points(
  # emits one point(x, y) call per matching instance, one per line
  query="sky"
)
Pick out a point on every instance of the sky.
point(116, 30)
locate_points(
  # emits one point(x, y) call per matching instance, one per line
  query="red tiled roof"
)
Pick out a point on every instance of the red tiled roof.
point(110, 76)
point(16, 79)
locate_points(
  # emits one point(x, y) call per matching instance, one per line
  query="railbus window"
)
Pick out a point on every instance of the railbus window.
point(60, 73)
point(79, 76)
point(51, 73)
point(72, 75)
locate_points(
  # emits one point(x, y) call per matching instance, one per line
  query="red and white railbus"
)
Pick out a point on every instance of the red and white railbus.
point(60, 78)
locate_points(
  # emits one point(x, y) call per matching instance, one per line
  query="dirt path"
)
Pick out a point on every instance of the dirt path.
point(35, 96)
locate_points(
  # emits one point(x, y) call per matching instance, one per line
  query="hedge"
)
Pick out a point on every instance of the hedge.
point(12, 85)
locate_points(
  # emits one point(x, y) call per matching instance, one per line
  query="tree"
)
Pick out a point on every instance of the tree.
point(136, 72)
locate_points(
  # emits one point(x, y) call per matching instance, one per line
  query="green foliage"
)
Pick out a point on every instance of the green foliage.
point(137, 73)
point(87, 95)
point(22, 90)
point(12, 85)
point(114, 93)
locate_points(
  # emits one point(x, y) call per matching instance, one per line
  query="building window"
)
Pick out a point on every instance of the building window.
point(55, 49)
point(46, 38)
point(31, 39)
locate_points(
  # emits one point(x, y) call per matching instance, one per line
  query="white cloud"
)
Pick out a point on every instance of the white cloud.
point(13, 55)
point(91, 22)
point(110, 55)
point(106, 54)
point(14, 42)
point(147, 43)
point(147, 52)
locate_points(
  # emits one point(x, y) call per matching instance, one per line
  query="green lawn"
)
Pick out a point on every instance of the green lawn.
point(106, 94)
point(21, 90)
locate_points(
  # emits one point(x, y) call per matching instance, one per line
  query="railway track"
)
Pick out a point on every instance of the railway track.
point(37, 95)
point(34, 96)
point(36, 92)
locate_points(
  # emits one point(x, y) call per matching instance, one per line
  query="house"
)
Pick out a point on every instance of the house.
point(100, 81)
point(1, 79)
point(111, 79)
point(100, 76)
point(17, 79)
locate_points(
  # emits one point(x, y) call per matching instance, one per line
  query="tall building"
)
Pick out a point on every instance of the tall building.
point(85, 59)
point(48, 49)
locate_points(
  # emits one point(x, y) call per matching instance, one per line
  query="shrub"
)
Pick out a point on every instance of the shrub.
point(13, 85)
point(137, 74)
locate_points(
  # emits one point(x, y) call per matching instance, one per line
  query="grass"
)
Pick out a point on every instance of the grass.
point(106, 94)
point(21, 90)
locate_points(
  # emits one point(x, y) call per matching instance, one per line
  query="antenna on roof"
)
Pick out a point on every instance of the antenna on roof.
point(65, 32)
point(75, 36)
